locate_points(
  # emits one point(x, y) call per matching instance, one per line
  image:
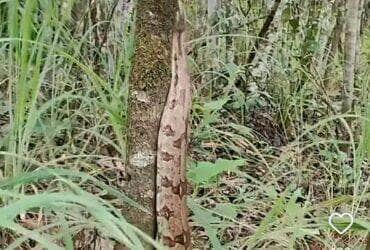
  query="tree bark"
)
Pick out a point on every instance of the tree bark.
point(148, 89)
point(212, 6)
point(366, 23)
point(263, 32)
point(335, 40)
point(350, 55)
point(358, 33)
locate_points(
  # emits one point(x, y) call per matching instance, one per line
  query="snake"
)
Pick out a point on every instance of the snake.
point(171, 209)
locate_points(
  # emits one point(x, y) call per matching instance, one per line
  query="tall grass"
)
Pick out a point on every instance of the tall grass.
point(59, 213)
point(64, 107)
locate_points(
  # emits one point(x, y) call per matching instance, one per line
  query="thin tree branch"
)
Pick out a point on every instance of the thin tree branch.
point(263, 31)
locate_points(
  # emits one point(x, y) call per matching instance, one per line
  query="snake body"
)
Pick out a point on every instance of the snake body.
point(172, 212)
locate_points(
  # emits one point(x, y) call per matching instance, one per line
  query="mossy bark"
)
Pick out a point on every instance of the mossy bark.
point(150, 82)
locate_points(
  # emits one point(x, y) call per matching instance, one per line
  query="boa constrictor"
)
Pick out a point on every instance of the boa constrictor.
point(172, 212)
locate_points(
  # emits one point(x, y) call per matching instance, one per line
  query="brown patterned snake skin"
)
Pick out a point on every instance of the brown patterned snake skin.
point(172, 212)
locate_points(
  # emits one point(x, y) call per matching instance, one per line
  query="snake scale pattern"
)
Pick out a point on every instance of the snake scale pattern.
point(172, 212)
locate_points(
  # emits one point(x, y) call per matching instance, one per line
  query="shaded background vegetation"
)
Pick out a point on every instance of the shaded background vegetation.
point(268, 113)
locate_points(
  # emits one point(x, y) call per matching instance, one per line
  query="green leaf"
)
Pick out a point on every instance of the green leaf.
point(271, 192)
point(233, 71)
point(360, 224)
point(273, 216)
point(226, 210)
point(294, 211)
point(208, 221)
point(204, 172)
point(216, 105)
point(243, 130)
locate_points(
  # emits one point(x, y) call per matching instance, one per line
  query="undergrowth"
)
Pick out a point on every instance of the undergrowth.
point(272, 155)
point(64, 78)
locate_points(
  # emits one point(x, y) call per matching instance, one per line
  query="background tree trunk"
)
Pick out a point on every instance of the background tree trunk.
point(212, 6)
point(263, 32)
point(335, 41)
point(150, 82)
point(350, 54)
point(358, 33)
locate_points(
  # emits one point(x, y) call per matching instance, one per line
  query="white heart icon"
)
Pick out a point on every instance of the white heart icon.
point(333, 215)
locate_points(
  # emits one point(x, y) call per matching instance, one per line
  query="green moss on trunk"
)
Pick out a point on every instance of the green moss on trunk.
point(148, 91)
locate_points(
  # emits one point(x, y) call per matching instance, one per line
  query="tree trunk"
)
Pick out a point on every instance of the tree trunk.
point(335, 41)
point(358, 33)
point(149, 85)
point(366, 23)
point(350, 55)
point(212, 6)
point(263, 32)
